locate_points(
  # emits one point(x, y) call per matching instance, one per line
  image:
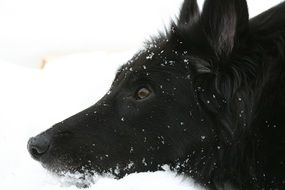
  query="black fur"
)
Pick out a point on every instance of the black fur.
point(215, 111)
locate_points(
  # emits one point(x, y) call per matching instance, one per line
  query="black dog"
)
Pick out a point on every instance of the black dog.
point(207, 98)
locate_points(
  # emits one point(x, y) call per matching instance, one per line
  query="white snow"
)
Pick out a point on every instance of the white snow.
point(32, 100)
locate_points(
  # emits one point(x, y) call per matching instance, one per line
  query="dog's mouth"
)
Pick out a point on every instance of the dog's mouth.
point(65, 166)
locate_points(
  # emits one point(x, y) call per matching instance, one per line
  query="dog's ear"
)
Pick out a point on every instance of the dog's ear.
point(223, 22)
point(189, 13)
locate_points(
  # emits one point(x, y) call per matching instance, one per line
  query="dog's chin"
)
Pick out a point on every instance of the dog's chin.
point(68, 175)
point(84, 172)
point(61, 168)
point(64, 168)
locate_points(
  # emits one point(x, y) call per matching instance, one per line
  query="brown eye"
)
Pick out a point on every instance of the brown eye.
point(142, 93)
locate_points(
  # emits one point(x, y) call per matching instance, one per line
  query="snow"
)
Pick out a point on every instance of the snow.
point(51, 27)
point(32, 100)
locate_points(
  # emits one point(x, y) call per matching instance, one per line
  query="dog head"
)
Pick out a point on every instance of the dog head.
point(160, 107)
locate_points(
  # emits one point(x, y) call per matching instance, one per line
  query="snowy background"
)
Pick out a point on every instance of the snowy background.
point(82, 43)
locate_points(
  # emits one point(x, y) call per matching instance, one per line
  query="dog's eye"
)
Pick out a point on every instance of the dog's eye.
point(142, 93)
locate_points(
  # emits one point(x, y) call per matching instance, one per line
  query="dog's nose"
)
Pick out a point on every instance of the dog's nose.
point(38, 146)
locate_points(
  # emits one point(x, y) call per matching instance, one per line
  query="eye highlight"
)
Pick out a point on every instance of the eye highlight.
point(142, 93)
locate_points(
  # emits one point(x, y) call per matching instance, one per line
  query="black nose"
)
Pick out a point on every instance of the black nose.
point(38, 146)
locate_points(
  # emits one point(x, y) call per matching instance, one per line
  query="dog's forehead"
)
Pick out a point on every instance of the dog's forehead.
point(158, 58)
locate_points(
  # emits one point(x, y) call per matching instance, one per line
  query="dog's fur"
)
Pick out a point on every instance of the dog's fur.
point(215, 112)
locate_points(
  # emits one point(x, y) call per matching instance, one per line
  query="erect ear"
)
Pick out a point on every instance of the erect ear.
point(189, 13)
point(223, 21)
